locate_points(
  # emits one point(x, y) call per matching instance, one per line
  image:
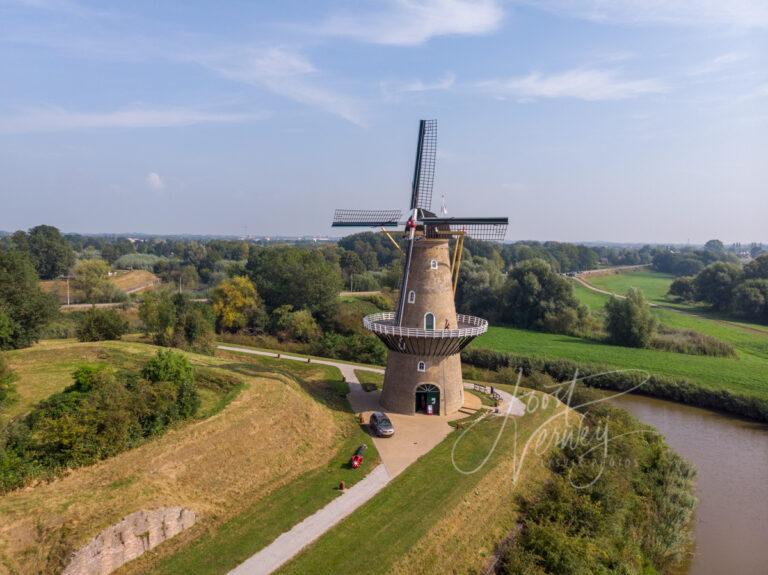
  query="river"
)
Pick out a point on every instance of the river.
point(731, 460)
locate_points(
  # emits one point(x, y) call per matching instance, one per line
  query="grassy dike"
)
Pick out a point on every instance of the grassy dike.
point(432, 518)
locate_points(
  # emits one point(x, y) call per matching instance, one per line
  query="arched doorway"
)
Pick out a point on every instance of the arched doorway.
point(428, 399)
point(429, 321)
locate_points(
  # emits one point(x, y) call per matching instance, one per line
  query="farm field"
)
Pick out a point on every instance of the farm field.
point(419, 525)
point(262, 461)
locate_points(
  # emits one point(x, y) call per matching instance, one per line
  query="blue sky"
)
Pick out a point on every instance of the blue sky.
point(620, 120)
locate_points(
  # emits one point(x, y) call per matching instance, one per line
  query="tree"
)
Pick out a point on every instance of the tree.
point(750, 299)
point(101, 324)
point(175, 321)
point(51, 253)
point(295, 325)
point(715, 283)
point(24, 308)
point(714, 246)
point(237, 305)
point(534, 296)
point(757, 268)
point(629, 321)
point(91, 276)
point(683, 288)
point(299, 277)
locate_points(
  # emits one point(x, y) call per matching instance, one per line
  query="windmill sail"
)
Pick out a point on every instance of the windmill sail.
point(366, 218)
point(424, 169)
point(489, 229)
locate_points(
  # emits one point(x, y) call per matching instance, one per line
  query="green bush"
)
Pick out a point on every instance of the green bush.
point(624, 506)
point(100, 325)
point(103, 413)
point(7, 379)
point(629, 321)
point(137, 262)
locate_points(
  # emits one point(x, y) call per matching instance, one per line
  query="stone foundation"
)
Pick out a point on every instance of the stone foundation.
point(133, 536)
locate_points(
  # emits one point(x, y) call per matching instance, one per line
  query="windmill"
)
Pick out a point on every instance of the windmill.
point(423, 367)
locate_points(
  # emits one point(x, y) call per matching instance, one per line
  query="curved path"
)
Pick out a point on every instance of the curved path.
point(416, 435)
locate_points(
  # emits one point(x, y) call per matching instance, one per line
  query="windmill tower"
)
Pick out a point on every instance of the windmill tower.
point(425, 335)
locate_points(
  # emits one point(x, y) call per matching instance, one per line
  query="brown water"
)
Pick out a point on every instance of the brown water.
point(731, 459)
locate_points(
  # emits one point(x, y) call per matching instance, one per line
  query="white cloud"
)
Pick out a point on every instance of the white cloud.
point(281, 71)
point(391, 90)
point(411, 22)
point(56, 119)
point(155, 182)
point(581, 84)
point(717, 64)
point(736, 13)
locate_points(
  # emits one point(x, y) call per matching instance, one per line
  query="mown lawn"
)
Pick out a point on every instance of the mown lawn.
point(747, 373)
point(431, 518)
point(654, 285)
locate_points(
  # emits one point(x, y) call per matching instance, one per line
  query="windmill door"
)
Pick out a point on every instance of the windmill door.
point(428, 399)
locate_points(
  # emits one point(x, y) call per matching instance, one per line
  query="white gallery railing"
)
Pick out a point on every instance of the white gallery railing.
point(384, 323)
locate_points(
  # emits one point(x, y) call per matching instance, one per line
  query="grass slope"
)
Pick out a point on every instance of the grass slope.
point(271, 456)
point(431, 518)
point(654, 285)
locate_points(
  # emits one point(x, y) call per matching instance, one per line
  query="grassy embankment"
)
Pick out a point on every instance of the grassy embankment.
point(269, 458)
point(433, 519)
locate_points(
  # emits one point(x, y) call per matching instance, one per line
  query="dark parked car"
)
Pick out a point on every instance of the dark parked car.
point(381, 425)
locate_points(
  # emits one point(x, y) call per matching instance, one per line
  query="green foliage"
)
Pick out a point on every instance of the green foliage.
point(757, 268)
point(534, 296)
point(361, 348)
point(237, 305)
point(629, 321)
point(296, 325)
point(691, 342)
point(683, 288)
point(24, 308)
point(50, 252)
point(750, 299)
point(101, 324)
point(715, 284)
point(303, 278)
point(172, 320)
point(91, 277)
point(688, 262)
point(101, 414)
point(137, 262)
point(617, 507)
point(7, 379)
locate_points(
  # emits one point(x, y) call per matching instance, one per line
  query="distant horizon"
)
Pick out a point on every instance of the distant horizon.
point(329, 237)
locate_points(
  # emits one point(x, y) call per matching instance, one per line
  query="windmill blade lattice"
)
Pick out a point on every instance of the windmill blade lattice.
point(424, 172)
point(488, 229)
point(366, 218)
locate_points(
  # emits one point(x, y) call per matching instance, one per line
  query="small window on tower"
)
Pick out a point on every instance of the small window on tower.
point(411, 296)
point(421, 366)
point(433, 264)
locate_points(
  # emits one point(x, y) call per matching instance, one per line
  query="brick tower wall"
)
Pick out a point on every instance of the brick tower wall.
point(434, 293)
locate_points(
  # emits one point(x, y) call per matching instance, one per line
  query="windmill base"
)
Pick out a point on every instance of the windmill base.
point(409, 391)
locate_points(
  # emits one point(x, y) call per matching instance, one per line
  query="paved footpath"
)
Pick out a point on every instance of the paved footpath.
point(415, 436)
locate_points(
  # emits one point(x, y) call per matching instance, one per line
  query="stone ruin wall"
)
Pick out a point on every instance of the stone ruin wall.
point(131, 537)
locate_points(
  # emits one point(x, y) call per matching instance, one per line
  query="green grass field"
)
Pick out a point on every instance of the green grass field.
point(747, 373)
point(420, 508)
point(654, 285)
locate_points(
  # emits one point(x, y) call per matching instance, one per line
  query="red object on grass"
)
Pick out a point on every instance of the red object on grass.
point(357, 458)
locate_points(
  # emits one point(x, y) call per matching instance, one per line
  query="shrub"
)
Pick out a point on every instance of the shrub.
point(683, 288)
point(7, 379)
point(137, 262)
point(103, 413)
point(294, 325)
point(629, 321)
point(101, 324)
point(692, 343)
point(173, 320)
